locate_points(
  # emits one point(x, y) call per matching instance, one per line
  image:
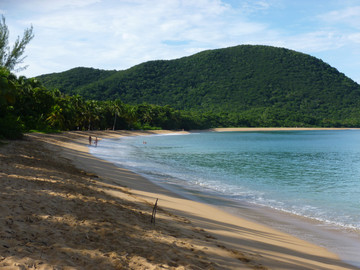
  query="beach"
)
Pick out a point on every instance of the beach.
point(62, 208)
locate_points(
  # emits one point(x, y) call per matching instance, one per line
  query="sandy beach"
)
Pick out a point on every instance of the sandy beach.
point(62, 208)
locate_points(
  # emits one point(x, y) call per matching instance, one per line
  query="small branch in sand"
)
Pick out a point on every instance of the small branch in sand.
point(154, 212)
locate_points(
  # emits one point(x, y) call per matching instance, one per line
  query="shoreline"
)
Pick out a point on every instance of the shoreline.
point(341, 241)
point(253, 129)
point(305, 228)
point(224, 130)
point(238, 243)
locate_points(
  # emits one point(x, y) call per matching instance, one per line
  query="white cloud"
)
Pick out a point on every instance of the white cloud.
point(316, 41)
point(349, 16)
point(47, 6)
point(259, 5)
point(122, 34)
point(253, 6)
point(355, 37)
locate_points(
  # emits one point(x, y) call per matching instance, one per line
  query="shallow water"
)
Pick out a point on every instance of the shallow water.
point(310, 174)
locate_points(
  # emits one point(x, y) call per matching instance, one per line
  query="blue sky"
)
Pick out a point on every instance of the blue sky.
point(118, 34)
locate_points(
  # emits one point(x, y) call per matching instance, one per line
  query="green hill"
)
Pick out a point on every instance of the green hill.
point(276, 85)
point(72, 79)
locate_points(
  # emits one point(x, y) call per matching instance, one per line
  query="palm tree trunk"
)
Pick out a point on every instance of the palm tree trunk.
point(114, 122)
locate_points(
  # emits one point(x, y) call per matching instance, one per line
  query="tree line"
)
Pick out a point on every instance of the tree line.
point(26, 105)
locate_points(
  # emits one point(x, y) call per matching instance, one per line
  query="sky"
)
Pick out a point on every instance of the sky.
point(118, 34)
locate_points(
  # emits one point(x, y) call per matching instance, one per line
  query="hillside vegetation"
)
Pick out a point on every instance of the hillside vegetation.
point(240, 86)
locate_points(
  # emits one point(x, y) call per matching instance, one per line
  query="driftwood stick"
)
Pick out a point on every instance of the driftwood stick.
point(154, 212)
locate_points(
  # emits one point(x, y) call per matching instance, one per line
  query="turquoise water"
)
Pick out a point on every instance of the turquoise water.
point(313, 174)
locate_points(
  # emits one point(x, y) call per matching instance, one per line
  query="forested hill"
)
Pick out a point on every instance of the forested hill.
point(247, 81)
point(72, 79)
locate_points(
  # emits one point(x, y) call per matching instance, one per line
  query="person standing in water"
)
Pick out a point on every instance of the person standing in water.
point(96, 141)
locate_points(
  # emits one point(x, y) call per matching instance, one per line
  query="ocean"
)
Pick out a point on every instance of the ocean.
point(313, 175)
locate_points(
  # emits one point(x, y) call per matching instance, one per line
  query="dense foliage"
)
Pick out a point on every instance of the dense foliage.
point(68, 81)
point(10, 126)
point(26, 105)
point(242, 86)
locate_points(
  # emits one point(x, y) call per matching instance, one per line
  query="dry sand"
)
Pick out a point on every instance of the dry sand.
point(61, 208)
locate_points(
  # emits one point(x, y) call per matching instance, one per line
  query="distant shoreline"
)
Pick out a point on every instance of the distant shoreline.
point(272, 129)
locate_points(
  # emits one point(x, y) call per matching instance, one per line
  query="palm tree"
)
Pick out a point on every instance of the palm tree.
point(91, 112)
point(77, 116)
point(56, 118)
point(119, 109)
point(130, 115)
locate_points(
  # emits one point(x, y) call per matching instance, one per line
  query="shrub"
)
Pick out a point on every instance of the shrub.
point(10, 127)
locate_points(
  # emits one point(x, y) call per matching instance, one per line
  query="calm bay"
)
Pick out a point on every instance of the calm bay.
point(287, 179)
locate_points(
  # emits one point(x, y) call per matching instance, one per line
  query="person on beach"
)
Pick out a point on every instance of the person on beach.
point(89, 140)
point(96, 141)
